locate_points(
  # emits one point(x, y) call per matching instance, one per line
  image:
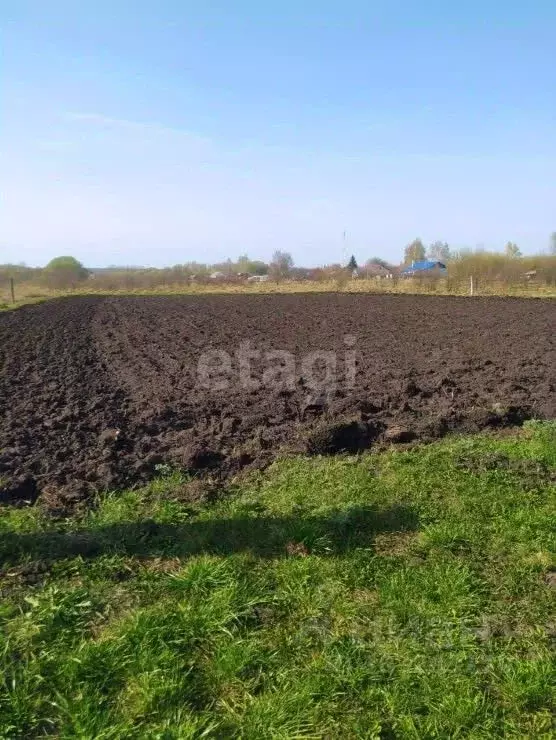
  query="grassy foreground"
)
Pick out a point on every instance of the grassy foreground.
point(408, 594)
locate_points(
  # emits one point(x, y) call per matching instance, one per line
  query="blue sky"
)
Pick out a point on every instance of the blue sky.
point(163, 132)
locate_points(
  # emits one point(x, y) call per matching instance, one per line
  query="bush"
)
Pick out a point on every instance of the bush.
point(64, 272)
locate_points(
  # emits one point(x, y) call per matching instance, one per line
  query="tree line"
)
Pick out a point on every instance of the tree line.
point(66, 272)
point(440, 251)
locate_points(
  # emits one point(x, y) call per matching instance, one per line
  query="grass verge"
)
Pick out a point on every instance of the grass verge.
point(403, 595)
point(29, 293)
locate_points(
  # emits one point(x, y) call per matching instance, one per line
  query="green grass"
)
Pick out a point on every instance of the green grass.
point(400, 595)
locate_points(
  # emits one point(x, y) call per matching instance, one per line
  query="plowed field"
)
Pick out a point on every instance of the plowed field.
point(95, 393)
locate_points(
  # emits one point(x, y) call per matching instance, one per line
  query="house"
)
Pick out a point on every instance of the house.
point(424, 267)
point(376, 270)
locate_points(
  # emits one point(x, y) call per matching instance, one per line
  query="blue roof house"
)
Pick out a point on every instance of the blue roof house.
point(424, 267)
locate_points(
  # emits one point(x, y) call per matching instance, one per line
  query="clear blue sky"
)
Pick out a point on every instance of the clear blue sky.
point(138, 132)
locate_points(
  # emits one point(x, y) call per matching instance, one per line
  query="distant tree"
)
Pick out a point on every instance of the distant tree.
point(512, 250)
point(257, 267)
point(439, 251)
point(552, 247)
point(280, 266)
point(462, 253)
point(379, 261)
point(242, 262)
point(64, 272)
point(19, 272)
point(414, 252)
point(251, 267)
point(352, 264)
point(196, 268)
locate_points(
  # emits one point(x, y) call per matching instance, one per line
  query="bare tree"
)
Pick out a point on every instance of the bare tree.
point(439, 251)
point(281, 265)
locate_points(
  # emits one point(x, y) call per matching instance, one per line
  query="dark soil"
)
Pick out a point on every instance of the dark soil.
point(96, 393)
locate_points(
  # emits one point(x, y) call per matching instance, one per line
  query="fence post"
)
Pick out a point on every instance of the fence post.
point(471, 286)
point(12, 291)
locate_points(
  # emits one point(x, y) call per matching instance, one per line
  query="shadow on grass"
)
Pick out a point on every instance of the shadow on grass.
point(267, 537)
